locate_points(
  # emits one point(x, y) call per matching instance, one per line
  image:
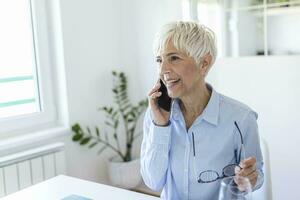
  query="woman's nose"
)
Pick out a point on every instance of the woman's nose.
point(165, 67)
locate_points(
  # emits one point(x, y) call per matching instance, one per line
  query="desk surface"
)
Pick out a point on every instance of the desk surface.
point(61, 186)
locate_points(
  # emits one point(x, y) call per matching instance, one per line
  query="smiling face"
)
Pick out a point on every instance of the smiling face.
point(179, 72)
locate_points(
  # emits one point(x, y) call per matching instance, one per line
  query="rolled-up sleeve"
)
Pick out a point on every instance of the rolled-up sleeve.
point(155, 153)
point(252, 144)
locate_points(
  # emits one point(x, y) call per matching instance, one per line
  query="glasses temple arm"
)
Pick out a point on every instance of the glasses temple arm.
point(193, 144)
point(242, 141)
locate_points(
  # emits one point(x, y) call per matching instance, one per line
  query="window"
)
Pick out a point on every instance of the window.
point(26, 97)
point(251, 27)
point(18, 77)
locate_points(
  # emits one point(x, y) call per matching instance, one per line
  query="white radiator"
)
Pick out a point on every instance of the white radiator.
point(22, 169)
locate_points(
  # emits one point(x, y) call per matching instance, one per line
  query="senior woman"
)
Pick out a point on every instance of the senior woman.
point(187, 151)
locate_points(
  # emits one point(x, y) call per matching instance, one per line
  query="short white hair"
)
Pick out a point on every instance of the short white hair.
point(191, 38)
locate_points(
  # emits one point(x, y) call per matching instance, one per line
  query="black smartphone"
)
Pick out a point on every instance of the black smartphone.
point(164, 101)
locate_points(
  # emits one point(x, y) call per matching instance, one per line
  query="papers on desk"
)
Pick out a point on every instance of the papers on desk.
point(75, 197)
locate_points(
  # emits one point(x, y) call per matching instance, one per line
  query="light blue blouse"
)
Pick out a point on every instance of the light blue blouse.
point(167, 157)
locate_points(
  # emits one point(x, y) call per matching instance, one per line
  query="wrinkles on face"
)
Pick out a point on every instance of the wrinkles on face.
point(178, 71)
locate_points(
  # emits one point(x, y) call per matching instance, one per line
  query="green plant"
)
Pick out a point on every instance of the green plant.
point(121, 110)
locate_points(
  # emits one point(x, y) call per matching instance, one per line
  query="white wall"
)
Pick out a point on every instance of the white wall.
point(91, 35)
point(283, 33)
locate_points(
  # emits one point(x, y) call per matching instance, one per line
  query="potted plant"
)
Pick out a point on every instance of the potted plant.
point(123, 168)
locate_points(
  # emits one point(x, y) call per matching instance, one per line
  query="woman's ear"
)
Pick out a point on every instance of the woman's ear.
point(206, 64)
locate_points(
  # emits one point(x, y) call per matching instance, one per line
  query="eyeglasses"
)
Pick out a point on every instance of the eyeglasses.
point(209, 176)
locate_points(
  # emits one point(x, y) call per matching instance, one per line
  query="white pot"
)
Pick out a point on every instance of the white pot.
point(124, 174)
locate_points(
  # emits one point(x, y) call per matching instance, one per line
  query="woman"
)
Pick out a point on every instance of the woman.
point(206, 135)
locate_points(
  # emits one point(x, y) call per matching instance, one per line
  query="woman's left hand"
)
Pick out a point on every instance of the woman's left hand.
point(248, 169)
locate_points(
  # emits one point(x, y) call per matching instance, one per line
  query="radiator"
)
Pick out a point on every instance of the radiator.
point(26, 168)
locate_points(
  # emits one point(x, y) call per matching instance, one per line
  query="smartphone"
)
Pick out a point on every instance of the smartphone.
point(164, 101)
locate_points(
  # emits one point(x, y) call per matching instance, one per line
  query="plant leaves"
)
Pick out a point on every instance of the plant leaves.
point(93, 144)
point(115, 91)
point(109, 124)
point(76, 128)
point(97, 132)
point(116, 124)
point(102, 149)
point(77, 137)
point(126, 106)
point(106, 137)
point(114, 114)
point(115, 136)
point(88, 130)
point(85, 140)
point(130, 120)
point(123, 112)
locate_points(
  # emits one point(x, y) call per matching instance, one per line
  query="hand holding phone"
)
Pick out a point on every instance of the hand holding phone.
point(160, 104)
point(164, 101)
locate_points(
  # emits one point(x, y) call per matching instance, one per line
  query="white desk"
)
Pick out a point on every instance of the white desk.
point(61, 186)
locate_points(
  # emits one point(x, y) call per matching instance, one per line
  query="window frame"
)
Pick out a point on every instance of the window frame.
point(46, 59)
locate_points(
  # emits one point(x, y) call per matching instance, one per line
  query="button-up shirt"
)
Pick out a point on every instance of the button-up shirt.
point(168, 160)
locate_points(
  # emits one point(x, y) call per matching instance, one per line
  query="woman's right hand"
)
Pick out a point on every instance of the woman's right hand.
point(159, 115)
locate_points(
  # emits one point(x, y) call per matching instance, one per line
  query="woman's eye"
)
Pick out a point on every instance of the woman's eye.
point(173, 58)
point(158, 60)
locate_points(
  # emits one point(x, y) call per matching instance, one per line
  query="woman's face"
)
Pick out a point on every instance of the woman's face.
point(179, 72)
